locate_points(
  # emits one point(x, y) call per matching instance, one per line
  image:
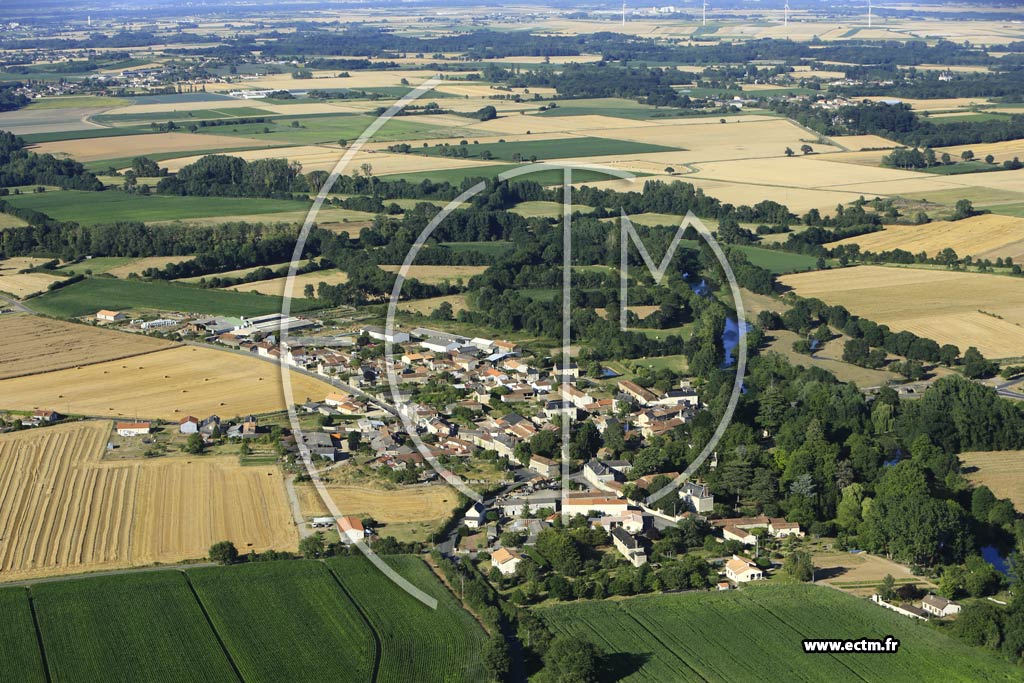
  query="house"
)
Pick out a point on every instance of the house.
point(732, 533)
point(532, 503)
point(132, 428)
point(109, 316)
point(335, 399)
point(630, 520)
point(188, 425)
point(724, 585)
point(630, 547)
point(697, 497)
point(49, 416)
point(939, 606)
point(545, 467)
point(505, 561)
point(583, 503)
point(741, 570)
point(210, 425)
point(779, 527)
point(601, 475)
point(565, 371)
point(320, 444)
point(476, 516)
point(351, 529)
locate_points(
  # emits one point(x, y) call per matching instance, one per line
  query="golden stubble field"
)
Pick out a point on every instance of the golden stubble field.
point(22, 284)
point(167, 385)
point(409, 512)
point(64, 509)
point(987, 236)
point(1001, 471)
point(134, 145)
point(33, 345)
point(966, 309)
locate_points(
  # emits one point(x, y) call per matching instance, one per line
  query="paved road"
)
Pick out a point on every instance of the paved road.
point(111, 572)
point(15, 304)
point(293, 498)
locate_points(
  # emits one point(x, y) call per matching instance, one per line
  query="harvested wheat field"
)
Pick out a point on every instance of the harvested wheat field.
point(988, 236)
point(167, 385)
point(433, 275)
point(277, 285)
point(1001, 471)
point(67, 345)
point(966, 309)
point(1000, 150)
point(22, 284)
point(185, 506)
point(427, 306)
point(9, 221)
point(860, 573)
point(856, 143)
point(63, 509)
point(140, 264)
point(129, 145)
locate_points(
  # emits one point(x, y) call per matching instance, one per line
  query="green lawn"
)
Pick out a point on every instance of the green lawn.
point(563, 148)
point(90, 208)
point(100, 264)
point(718, 637)
point(93, 294)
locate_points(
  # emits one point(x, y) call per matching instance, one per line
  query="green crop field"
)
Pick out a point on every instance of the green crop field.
point(89, 208)
point(612, 106)
point(135, 627)
point(294, 620)
point(93, 294)
point(185, 117)
point(314, 129)
point(551, 176)
point(712, 637)
point(286, 621)
point(417, 643)
point(563, 148)
point(19, 648)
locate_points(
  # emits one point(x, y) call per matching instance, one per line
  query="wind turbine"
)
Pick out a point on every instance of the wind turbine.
point(869, 13)
point(623, 14)
point(704, 13)
point(785, 21)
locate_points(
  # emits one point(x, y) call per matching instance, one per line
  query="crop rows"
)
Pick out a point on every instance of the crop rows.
point(417, 643)
point(714, 637)
point(133, 627)
point(19, 648)
point(286, 621)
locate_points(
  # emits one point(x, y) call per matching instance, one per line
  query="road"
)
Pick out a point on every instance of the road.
point(15, 304)
point(293, 499)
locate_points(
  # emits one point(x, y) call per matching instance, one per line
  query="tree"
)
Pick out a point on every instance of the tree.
point(887, 589)
point(789, 152)
point(194, 444)
point(497, 658)
point(487, 113)
point(963, 209)
point(806, 149)
point(570, 660)
point(799, 565)
point(223, 552)
point(976, 366)
point(989, 159)
point(312, 546)
point(308, 291)
point(967, 155)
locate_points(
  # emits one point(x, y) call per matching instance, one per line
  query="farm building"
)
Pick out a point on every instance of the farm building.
point(732, 533)
point(132, 428)
point(380, 334)
point(351, 529)
point(741, 570)
point(188, 425)
point(505, 561)
point(109, 316)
